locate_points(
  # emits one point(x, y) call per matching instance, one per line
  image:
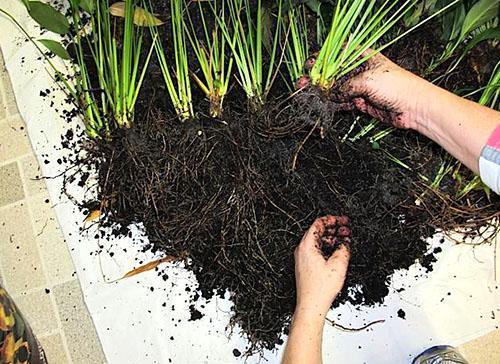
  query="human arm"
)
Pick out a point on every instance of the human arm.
point(318, 282)
point(390, 93)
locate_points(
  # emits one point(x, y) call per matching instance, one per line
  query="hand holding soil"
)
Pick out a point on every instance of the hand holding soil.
point(319, 279)
point(385, 91)
point(388, 92)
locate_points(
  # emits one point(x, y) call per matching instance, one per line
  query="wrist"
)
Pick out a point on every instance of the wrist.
point(311, 311)
point(309, 318)
point(421, 96)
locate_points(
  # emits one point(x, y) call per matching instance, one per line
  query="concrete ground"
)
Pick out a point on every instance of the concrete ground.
point(35, 265)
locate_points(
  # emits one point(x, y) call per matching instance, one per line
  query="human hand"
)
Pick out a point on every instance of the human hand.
point(318, 279)
point(387, 92)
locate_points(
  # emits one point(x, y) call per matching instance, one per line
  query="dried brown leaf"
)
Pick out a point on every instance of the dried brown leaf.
point(142, 17)
point(93, 215)
point(149, 266)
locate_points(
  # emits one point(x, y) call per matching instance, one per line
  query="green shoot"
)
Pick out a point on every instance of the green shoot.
point(491, 94)
point(180, 90)
point(357, 26)
point(402, 164)
point(212, 55)
point(353, 31)
point(120, 72)
point(474, 184)
point(246, 40)
point(382, 134)
point(296, 47)
point(444, 169)
point(365, 130)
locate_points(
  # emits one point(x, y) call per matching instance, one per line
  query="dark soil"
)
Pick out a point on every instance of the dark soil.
point(237, 195)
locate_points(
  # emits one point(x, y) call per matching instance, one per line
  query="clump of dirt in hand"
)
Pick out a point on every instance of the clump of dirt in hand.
point(337, 232)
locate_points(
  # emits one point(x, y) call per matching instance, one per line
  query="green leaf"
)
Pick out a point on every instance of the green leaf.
point(481, 13)
point(314, 5)
point(48, 17)
point(490, 33)
point(87, 5)
point(55, 47)
point(412, 18)
point(375, 145)
point(453, 22)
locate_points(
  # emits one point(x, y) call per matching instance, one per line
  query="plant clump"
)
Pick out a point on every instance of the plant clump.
point(230, 170)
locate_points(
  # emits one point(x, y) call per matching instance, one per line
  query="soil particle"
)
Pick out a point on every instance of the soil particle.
point(194, 314)
point(401, 314)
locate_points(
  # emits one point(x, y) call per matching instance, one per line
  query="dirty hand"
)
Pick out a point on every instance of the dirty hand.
point(318, 280)
point(387, 92)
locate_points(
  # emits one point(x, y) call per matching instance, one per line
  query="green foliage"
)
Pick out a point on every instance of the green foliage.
point(52, 45)
point(87, 5)
point(245, 36)
point(180, 89)
point(296, 47)
point(357, 25)
point(119, 65)
point(421, 8)
point(480, 14)
point(470, 23)
point(47, 17)
point(486, 34)
point(26, 3)
point(51, 19)
point(491, 93)
point(55, 47)
point(213, 54)
point(120, 68)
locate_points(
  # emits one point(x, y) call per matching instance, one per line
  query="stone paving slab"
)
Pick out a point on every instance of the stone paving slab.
point(35, 264)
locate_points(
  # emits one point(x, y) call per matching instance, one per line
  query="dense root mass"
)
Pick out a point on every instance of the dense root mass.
point(238, 198)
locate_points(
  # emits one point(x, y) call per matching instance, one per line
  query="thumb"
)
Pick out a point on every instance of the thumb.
point(339, 261)
point(312, 235)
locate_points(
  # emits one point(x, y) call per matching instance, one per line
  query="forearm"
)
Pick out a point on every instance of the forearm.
point(460, 126)
point(304, 344)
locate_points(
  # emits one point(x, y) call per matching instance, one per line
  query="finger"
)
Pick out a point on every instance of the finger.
point(329, 220)
point(340, 259)
point(313, 234)
point(360, 104)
